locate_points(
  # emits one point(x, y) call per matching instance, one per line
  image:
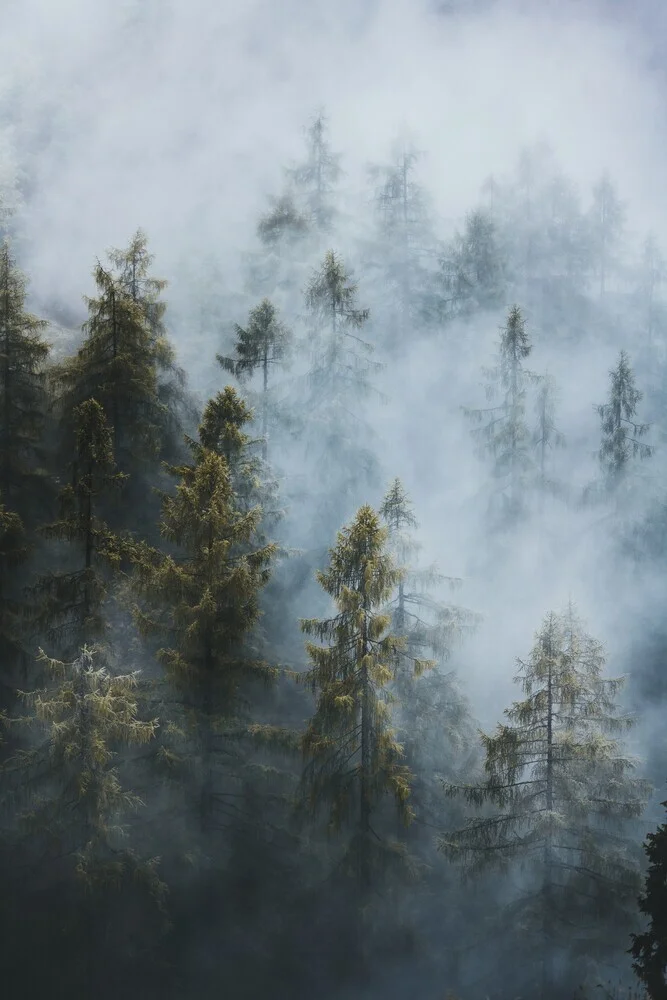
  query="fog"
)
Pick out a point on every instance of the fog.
point(180, 117)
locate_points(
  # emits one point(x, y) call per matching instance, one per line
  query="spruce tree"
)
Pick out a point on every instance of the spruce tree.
point(133, 274)
point(262, 344)
point(23, 354)
point(71, 599)
point(622, 436)
point(561, 794)
point(649, 949)
point(117, 365)
point(352, 758)
point(504, 435)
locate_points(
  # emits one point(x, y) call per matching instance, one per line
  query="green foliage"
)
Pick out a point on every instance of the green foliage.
point(204, 602)
point(69, 804)
point(353, 759)
point(72, 599)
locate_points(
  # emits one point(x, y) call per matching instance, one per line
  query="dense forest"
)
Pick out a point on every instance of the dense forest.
point(331, 599)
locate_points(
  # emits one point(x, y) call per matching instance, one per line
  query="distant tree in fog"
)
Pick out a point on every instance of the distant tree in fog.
point(262, 344)
point(472, 269)
point(314, 179)
point(622, 436)
point(504, 436)
point(649, 949)
point(431, 714)
point(606, 220)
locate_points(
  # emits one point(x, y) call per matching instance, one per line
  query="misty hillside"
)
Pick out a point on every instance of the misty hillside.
point(333, 500)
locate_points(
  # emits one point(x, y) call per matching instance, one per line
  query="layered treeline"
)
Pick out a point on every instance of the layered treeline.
point(197, 803)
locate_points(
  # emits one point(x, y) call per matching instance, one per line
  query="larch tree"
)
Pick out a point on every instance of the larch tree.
point(560, 794)
point(23, 402)
point(203, 603)
point(70, 600)
point(353, 760)
point(649, 948)
point(622, 436)
point(67, 826)
point(504, 435)
point(260, 346)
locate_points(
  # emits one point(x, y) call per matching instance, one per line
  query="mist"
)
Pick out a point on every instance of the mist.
point(181, 118)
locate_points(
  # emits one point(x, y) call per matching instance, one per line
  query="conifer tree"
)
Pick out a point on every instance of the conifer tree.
point(262, 344)
point(622, 436)
point(23, 354)
point(472, 268)
point(651, 276)
point(204, 602)
point(403, 238)
point(607, 222)
point(283, 224)
point(564, 794)
point(14, 552)
point(72, 598)
point(649, 949)
point(352, 758)
point(505, 435)
point(431, 714)
point(546, 436)
point(133, 274)
point(339, 380)
point(70, 806)
point(315, 178)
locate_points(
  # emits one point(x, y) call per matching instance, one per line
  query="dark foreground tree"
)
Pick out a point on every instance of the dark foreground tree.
point(649, 949)
point(67, 829)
